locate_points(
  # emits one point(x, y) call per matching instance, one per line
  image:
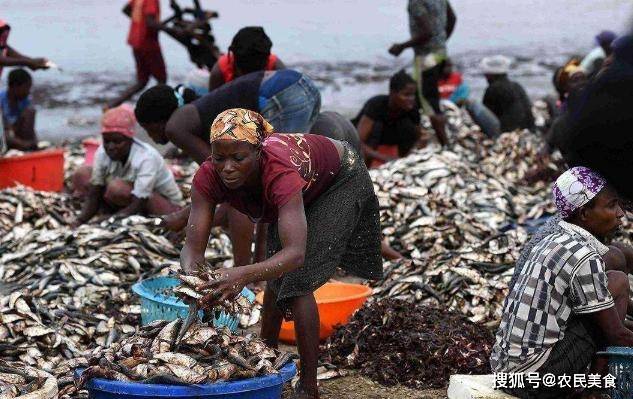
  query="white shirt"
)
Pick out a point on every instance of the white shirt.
point(145, 169)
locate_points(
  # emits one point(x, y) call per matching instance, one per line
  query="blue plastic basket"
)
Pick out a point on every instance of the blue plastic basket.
point(621, 367)
point(155, 305)
point(266, 387)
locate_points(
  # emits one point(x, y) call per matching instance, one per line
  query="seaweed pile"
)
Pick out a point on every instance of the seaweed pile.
point(395, 342)
point(204, 355)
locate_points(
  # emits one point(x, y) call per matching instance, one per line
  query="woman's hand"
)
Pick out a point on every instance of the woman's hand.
point(176, 221)
point(226, 287)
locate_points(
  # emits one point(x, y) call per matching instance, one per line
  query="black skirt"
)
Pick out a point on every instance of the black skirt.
point(343, 231)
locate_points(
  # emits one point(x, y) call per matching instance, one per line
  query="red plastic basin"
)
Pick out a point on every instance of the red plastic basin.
point(336, 303)
point(90, 147)
point(41, 170)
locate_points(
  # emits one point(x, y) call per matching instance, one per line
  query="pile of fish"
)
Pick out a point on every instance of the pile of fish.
point(395, 342)
point(203, 355)
point(24, 208)
point(194, 288)
point(65, 292)
point(20, 381)
point(458, 214)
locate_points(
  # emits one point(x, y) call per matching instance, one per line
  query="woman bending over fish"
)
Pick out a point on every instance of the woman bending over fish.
point(315, 208)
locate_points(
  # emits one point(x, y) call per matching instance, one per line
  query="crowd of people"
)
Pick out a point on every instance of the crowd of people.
point(290, 183)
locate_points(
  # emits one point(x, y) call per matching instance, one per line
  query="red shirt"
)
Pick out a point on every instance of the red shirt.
point(448, 86)
point(141, 37)
point(290, 163)
point(226, 63)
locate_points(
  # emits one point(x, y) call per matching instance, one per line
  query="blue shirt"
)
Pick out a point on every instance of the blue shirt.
point(11, 115)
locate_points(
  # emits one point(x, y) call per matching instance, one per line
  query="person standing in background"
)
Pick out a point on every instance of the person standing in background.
point(11, 57)
point(431, 23)
point(143, 38)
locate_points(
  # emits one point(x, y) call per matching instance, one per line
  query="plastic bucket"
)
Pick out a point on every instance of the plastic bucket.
point(90, 147)
point(266, 387)
point(40, 170)
point(621, 367)
point(336, 303)
point(155, 305)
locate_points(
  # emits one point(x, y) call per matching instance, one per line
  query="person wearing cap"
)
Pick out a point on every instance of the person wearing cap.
point(594, 59)
point(315, 208)
point(505, 98)
point(11, 57)
point(563, 304)
point(128, 176)
point(143, 38)
point(249, 52)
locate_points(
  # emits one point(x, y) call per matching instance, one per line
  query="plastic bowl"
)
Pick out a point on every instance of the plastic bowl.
point(155, 305)
point(266, 387)
point(90, 148)
point(336, 303)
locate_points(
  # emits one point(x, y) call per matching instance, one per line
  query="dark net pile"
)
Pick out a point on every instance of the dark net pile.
point(393, 341)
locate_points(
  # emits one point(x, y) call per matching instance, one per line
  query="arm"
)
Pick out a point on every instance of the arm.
point(215, 77)
point(91, 206)
point(293, 232)
point(152, 22)
point(136, 206)
point(198, 231)
point(451, 20)
point(423, 138)
point(16, 142)
point(14, 58)
point(365, 126)
point(419, 40)
point(261, 239)
point(388, 252)
point(176, 221)
point(609, 323)
point(180, 130)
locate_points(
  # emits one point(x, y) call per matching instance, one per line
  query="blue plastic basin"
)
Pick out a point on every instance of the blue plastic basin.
point(266, 387)
point(157, 306)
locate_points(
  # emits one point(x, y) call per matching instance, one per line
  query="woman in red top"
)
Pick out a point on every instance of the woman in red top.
point(318, 198)
point(249, 52)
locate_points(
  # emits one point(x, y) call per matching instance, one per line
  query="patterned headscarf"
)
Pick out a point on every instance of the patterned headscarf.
point(119, 120)
point(240, 125)
point(575, 188)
